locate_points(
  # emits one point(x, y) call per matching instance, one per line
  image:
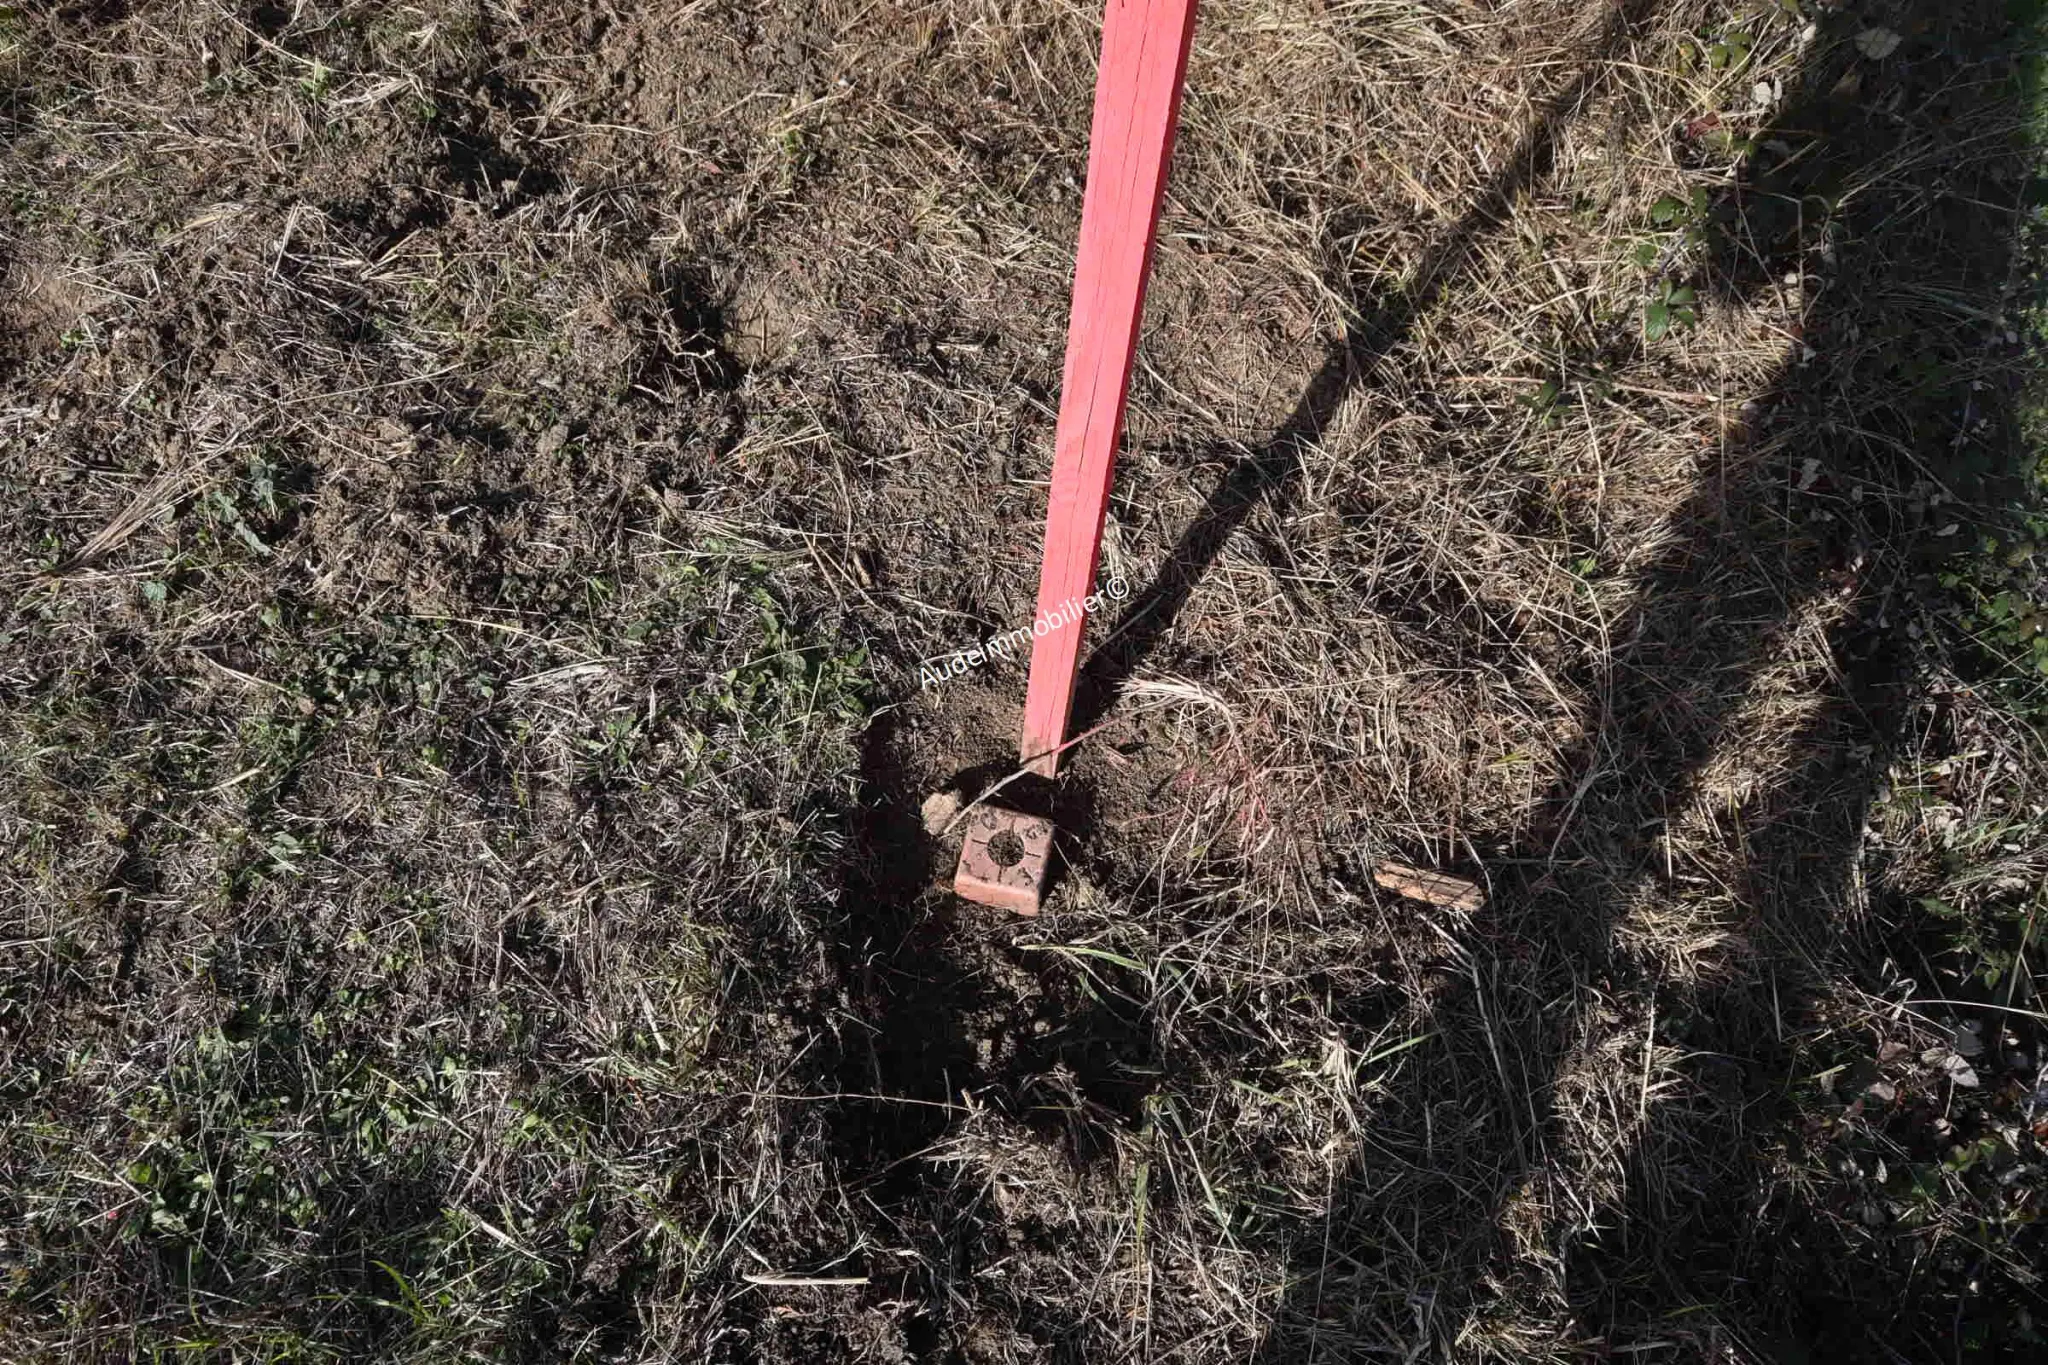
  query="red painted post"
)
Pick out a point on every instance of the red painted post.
point(1137, 103)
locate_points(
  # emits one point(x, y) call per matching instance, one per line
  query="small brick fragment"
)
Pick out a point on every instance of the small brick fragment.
point(1003, 859)
point(1435, 888)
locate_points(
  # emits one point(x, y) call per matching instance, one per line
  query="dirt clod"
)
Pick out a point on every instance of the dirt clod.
point(938, 810)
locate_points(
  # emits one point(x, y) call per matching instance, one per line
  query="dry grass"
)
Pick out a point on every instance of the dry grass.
point(481, 478)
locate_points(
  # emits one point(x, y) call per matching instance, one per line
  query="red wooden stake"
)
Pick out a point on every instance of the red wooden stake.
point(1137, 103)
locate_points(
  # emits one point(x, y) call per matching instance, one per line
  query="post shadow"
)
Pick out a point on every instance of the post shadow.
point(1818, 508)
point(1269, 473)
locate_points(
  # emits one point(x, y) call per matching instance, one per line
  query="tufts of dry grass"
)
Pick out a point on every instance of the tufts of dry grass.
point(480, 480)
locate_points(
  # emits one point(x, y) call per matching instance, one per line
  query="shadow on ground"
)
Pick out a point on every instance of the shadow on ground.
point(1816, 509)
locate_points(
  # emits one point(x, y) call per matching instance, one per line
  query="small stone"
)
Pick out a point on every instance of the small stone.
point(938, 811)
point(552, 440)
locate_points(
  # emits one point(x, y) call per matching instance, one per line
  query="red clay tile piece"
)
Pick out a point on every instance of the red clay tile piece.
point(1005, 872)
